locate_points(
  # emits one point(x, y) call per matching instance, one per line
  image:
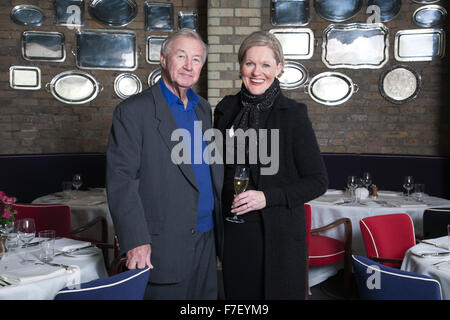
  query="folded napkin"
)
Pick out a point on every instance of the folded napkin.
point(27, 273)
point(66, 244)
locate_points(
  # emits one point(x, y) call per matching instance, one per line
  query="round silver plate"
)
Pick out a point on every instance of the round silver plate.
point(27, 15)
point(331, 88)
point(399, 84)
point(154, 76)
point(429, 16)
point(114, 13)
point(294, 75)
point(127, 85)
point(74, 87)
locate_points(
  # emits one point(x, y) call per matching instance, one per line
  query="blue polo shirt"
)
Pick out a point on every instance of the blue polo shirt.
point(185, 120)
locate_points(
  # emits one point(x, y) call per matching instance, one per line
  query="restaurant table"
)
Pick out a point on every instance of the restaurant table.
point(333, 205)
point(40, 281)
point(437, 267)
point(84, 207)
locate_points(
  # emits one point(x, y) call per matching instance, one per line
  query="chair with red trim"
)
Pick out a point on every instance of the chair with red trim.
point(324, 250)
point(57, 217)
point(387, 237)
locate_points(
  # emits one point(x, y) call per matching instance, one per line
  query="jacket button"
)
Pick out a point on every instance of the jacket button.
point(192, 231)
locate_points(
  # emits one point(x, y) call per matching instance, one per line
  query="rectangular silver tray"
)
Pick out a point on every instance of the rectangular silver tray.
point(355, 46)
point(106, 50)
point(158, 16)
point(68, 13)
point(290, 13)
point(154, 48)
point(43, 46)
point(24, 78)
point(419, 44)
point(297, 43)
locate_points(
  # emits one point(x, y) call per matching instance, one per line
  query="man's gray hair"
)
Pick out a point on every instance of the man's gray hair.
point(185, 32)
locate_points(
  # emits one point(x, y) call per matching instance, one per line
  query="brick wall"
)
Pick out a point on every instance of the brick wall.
point(367, 123)
point(35, 122)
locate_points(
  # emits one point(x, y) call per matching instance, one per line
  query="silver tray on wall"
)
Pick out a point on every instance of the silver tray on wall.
point(425, 1)
point(399, 84)
point(187, 19)
point(389, 9)
point(154, 76)
point(154, 44)
point(127, 85)
point(114, 13)
point(27, 15)
point(297, 43)
point(337, 10)
point(43, 46)
point(429, 16)
point(158, 16)
point(24, 78)
point(419, 44)
point(355, 46)
point(331, 88)
point(74, 87)
point(106, 50)
point(289, 13)
point(294, 75)
point(68, 13)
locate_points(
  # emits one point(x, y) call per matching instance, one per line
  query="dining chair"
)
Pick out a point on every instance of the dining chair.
point(57, 217)
point(375, 281)
point(127, 285)
point(323, 250)
point(387, 237)
point(435, 222)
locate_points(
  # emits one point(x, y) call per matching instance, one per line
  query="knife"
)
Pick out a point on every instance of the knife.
point(73, 250)
point(435, 244)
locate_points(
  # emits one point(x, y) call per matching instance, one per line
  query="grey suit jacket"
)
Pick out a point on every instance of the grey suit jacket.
point(151, 199)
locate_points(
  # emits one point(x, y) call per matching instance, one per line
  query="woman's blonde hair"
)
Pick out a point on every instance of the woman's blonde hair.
point(262, 39)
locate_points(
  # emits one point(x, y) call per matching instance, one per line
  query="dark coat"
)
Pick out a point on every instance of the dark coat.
point(151, 199)
point(301, 177)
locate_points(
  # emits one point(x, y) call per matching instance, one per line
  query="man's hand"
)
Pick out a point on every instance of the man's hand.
point(139, 257)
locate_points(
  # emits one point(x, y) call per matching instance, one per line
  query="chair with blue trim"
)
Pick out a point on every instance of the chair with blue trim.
point(127, 285)
point(376, 281)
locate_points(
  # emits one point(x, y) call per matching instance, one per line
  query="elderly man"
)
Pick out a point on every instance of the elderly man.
point(164, 212)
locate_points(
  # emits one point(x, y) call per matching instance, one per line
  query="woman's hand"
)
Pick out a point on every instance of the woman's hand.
point(247, 201)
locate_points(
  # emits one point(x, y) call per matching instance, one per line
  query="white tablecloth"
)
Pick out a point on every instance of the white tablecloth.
point(324, 210)
point(86, 268)
point(85, 206)
point(424, 265)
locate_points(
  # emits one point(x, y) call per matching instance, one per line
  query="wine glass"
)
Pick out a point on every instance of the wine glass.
point(77, 181)
point(367, 179)
point(26, 231)
point(352, 184)
point(408, 184)
point(241, 177)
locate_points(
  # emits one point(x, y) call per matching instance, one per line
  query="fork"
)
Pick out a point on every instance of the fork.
point(65, 266)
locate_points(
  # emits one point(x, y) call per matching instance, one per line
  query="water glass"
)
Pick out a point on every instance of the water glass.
point(12, 239)
point(419, 191)
point(67, 189)
point(47, 245)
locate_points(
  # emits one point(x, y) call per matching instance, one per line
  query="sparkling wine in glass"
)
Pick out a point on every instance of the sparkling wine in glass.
point(408, 184)
point(26, 231)
point(241, 177)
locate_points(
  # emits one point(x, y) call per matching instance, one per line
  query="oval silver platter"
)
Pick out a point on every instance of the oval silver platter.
point(399, 84)
point(114, 13)
point(127, 85)
point(154, 76)
point(24, 78)
point(429, 16)
point(297, 43)
point(74, 87)
point(43, 46)
point(294, 75)
point(389, 9)
point(27, 15)
point(419, 44)
point(355, 45)
point(290, 13)
point(331, 88)
point(337, 10)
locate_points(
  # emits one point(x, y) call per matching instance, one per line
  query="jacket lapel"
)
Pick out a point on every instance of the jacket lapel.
point(167, 124)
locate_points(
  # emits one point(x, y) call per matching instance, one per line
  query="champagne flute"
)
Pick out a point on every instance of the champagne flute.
point(26, 231)
point(241, 177)
point(352, 184)
point(367, 179)
point(408, 184)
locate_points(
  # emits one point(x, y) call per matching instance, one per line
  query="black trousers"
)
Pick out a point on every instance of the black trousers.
point(201, 282)
point(243, 258)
